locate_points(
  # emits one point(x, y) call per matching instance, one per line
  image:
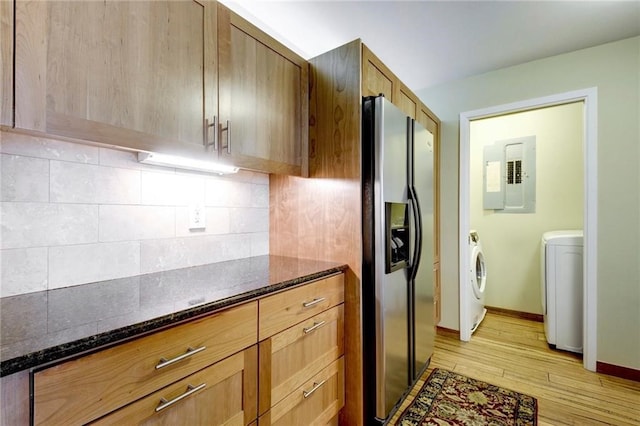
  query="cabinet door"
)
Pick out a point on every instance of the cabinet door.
point(406, 101)
point(86, 388)
point(263, 99)
point(6, 63)
point(225, 393)
point(376, 77)
point(138, 74)
point(282, 310)
point(293, 356)
point(316, 402)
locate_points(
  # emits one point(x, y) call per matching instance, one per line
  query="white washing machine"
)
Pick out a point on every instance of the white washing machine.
point(478, 281)
point(561, 287)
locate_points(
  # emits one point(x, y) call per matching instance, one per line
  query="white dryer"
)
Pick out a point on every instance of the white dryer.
point(478, 281)
point(561, 287)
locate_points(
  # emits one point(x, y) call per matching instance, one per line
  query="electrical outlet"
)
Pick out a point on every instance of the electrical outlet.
point(197, 217)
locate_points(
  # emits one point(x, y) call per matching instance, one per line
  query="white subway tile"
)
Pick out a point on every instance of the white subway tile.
point(42, 224)
point(82, 183)
point(86, 263)
point(260, 178)
point(32, 146)
point(23, 271)
point(249, 220)
point(225, 193)
point(171, 189)
point(260, 244)
point(217, 222)
point(260, 196)
point(24, 178)
point(163, 255)
point(127, 223)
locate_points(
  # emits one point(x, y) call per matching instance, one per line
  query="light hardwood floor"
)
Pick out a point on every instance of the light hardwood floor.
point(513, 353)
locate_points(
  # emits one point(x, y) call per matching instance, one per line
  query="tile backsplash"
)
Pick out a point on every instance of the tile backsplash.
point(74, 214)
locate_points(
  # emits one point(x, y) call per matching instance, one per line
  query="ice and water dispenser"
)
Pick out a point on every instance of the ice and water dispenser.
point(396, 236)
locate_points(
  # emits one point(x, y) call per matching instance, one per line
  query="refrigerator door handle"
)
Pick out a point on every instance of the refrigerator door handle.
point(417, 249)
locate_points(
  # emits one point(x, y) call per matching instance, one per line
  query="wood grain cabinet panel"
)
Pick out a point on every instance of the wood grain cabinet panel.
point(223, 394)
point(291, 357)
point(89, 387)
point(139, 74)
point(263, 99)
point(316, 402)
point(407, 101)
point(189, 78)
point(376, 76)
point(283, 310)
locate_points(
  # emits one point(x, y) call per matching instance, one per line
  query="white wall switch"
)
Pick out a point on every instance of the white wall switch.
point(197, 217)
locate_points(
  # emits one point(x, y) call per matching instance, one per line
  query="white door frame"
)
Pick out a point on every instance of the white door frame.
point(590, 98)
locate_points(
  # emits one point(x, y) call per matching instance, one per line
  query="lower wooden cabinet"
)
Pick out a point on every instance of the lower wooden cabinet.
point(317, 402)
point(212, 370)
point(89, 387)
point(289, 358)
point(302, 367)
point(224, 393)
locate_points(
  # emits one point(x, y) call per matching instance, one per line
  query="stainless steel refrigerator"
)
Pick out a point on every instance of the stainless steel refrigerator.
point(397, 275)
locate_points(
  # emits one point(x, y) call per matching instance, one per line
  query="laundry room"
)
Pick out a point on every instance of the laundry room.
point(526, 179)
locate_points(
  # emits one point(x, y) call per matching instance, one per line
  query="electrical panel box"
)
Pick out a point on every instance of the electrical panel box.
point(509, 176)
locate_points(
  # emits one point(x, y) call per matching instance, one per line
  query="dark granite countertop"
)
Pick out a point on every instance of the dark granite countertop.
point(38, 328)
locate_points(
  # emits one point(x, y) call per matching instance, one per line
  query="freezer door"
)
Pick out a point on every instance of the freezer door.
point(391, 288)
point(421, 179)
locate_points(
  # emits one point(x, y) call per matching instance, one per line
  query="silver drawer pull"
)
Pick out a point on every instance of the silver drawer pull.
point(316, 386)
point(190, 352)
point(190, 391)
point(313, 302)
point(315, 326)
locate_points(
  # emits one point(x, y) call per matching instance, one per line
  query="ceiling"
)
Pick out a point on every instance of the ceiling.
point(427, 43)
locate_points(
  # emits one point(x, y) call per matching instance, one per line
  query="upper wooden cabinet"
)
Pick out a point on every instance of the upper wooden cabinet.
point(376, 77)
point(407, 101)
point(136, 74)
point(182, 77)
point(263, 99)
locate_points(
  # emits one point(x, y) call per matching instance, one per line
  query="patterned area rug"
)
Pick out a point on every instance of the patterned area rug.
point(449, 398)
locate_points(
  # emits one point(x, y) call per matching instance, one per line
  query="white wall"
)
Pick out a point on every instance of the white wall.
point(73, 214)
point(613, 68)
point(511, 241)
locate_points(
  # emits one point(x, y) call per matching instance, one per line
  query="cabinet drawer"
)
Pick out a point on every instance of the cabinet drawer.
point(316, 402)
point(291, 357)
point(84, 389)
point(225, 393)
point(282, 310)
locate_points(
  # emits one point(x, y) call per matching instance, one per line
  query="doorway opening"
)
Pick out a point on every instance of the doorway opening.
point(588, 99)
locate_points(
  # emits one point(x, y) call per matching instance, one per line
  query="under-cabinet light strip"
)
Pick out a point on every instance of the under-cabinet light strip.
point(184, 163)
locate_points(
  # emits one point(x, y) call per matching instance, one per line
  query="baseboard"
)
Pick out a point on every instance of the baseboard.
point(618, 371)
point(516, 314)
point(447, 331)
